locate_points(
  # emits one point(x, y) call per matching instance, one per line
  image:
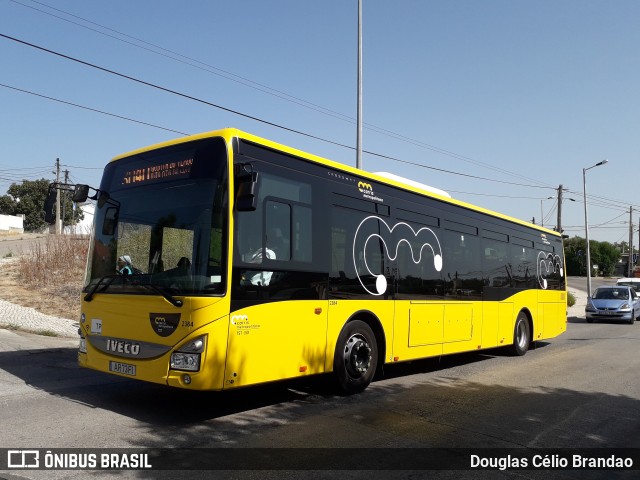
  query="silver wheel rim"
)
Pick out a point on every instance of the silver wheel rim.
point(521, 334)
point(357, 356)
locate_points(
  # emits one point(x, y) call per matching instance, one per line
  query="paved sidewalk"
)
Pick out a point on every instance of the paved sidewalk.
point(581, 301)
point(26, 318)
point(14, 316)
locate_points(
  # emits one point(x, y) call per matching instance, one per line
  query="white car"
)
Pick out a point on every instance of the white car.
point(631, 282)
point(613, 303)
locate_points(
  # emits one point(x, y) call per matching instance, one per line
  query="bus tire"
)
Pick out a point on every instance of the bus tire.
point(521, 335)
point(356, 357)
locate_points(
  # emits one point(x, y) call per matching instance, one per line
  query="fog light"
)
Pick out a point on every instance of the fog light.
point(186, 379)
point(82, 347)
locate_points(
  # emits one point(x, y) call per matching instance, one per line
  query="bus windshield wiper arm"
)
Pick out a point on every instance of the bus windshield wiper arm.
point(109, 280)
point(106, 281)
point(172, 300)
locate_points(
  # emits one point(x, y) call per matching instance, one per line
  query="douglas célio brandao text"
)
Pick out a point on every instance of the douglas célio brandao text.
point(550, 461)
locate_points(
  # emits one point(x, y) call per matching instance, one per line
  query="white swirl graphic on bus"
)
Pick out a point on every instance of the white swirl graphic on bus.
point(405, 234)
point(548, 264)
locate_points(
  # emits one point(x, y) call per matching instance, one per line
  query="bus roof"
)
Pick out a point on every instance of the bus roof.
point(382, 177)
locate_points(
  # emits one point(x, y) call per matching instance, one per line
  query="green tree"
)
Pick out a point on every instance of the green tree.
point(27, 198)
point(606, 256)
point(575, 251)
point(603, 254)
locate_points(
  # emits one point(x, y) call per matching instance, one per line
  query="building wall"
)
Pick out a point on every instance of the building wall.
point(11, 224)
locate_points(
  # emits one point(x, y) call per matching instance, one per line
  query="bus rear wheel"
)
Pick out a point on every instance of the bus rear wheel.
point(356, 357)
point(521, 335)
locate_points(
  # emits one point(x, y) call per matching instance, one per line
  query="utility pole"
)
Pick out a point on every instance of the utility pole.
point(559, 222)
point(58, 221)
point(64, 204)
point(630, 242)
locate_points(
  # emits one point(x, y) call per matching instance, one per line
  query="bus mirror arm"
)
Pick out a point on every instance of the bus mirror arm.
point(247, 186)
point(81, 194)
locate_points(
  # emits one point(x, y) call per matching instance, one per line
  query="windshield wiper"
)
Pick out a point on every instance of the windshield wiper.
point(106, 281)
point(109, 280)
point(172, 300)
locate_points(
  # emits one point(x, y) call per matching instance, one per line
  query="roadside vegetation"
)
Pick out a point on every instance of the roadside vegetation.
point(571, 299)
point(50, 277)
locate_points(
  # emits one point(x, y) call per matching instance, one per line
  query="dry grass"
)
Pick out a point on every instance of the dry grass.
point(49, 278)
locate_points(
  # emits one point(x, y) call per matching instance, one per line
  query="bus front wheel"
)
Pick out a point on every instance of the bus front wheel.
point(521, 335)
point(356, 357)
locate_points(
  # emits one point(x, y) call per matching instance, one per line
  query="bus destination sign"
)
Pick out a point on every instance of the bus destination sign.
point(161, 172)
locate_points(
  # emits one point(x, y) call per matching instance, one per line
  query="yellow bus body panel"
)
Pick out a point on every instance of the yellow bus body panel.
point(123, 319)
point(275, 341)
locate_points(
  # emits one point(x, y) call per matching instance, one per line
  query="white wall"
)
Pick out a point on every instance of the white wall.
point(85, 226)
point(11, 224)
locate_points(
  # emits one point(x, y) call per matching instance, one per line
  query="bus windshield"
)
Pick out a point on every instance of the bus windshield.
point(161, 223)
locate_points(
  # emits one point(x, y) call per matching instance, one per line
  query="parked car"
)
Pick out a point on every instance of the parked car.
point(631, 282)
point(613, 303)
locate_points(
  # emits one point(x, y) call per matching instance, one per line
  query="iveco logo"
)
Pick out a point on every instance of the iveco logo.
point(364, 186)
point(121, 346)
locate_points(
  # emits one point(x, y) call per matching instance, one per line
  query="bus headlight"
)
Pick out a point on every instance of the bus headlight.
point(187, 357)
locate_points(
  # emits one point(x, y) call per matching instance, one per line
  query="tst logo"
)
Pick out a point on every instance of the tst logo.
point(23, 459)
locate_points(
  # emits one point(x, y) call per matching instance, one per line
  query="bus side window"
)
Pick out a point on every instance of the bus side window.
point(524, 266)
point(462, 267)
point(278, 230)
point(497, 264)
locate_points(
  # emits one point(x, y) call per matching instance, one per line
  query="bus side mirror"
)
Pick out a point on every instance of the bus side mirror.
point(247, 188)
point(80, 193)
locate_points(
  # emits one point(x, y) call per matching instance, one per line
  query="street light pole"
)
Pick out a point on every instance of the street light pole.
point(586, 222)
point(359, 100)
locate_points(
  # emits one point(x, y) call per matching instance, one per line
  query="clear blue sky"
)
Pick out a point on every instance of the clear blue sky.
point(527, 93)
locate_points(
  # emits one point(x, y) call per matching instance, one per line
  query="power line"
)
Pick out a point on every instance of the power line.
point(606, 202)
point(91, 109)
point(224, 73)
point(492, 195)
point(615, 204)
point(182, 133)
point(263, 88)
point(168, 90)
point(251, 117)
point(394, 159)
point(84, 168)
point(23, 168)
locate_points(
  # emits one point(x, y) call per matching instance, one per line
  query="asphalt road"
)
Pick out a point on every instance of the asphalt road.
point(14, 245)
point(579, 391)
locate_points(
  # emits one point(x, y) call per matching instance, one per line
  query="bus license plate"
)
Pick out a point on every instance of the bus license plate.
point(123, 368)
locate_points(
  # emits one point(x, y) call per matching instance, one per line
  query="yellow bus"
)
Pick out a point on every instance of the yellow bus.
point(224, 260)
